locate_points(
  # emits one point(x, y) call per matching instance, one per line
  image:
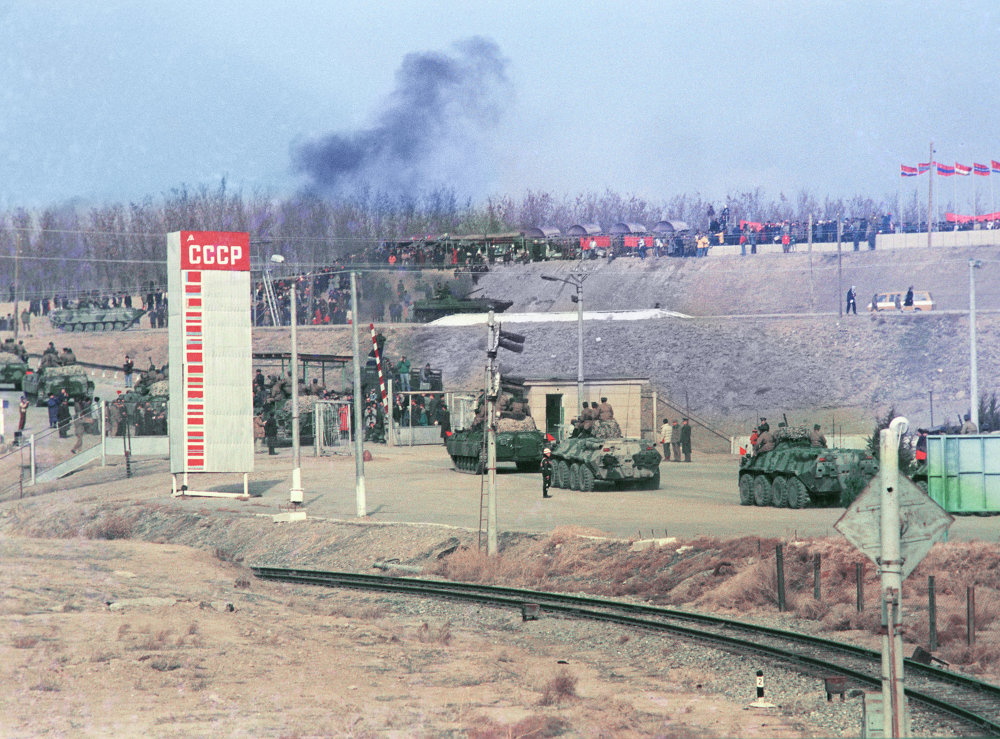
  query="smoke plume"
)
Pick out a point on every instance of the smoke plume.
point(432, 130)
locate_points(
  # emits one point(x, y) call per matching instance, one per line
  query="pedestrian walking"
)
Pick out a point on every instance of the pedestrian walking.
point(546, 468)
point(852, 300)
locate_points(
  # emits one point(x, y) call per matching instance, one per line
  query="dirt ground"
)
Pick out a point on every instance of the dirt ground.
point(117, 619)
point(137, 639)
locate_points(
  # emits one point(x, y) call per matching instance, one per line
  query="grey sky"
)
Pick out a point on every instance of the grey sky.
point(121, 100)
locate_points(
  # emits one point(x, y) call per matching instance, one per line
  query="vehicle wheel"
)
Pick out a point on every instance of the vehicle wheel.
point(798, 496)
point(77, 327)
point(746, 490)
point(574, 476)
point(922, 484)
point(563, 473)
point(652, 483)
point(761, 490)
point(586, 479)
point(479, 464)
point(779, 493)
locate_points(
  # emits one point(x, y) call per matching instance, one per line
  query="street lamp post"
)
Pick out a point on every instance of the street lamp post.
point(576, 280)
point(973, 370)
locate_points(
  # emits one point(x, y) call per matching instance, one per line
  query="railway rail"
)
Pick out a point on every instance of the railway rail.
point(974, 702)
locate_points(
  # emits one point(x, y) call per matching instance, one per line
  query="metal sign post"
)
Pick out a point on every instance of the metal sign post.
point(895, 524)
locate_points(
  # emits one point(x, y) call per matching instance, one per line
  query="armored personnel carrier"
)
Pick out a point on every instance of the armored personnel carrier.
point(518, 441)
point(605, 456)
point(795, 474)
point(95, 319)
point(445, 304)
point(38, 384)
point(12, 369)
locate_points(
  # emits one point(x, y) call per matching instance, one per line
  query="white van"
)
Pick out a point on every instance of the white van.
point(895, 300)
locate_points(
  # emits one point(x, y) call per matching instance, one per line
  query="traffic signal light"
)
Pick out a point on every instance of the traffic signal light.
point(511, 342)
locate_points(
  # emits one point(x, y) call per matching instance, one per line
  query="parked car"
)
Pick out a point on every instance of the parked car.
point(896, 300)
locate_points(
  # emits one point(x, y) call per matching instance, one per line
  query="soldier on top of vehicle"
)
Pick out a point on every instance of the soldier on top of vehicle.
point(816, 437)
point(67, 357)
point(604, 411)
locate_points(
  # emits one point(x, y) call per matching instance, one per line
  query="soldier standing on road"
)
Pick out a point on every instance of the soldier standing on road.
point(816, 438)
point(675, 440)
point(546, 467)
point(686, 440)
point(665, 433)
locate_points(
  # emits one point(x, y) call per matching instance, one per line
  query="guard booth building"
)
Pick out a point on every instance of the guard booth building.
point(553, 403)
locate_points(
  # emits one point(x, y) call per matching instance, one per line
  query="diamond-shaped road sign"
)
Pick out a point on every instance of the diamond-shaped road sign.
point(922, 522)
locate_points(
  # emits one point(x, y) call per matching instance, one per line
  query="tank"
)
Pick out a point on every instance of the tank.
point(605, 457)
point(446, 304)
point(12, 369)
point(795, 474)
point(45, 380)
point(517, 441)
point(94, 319)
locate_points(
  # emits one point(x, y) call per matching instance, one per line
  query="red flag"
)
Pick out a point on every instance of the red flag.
point(995, 165)
point(944, 170)
point(743, 451)
point(981, 169)
point(962, 169)
point(905, 171)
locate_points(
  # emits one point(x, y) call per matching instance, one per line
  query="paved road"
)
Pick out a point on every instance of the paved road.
point(418, 485)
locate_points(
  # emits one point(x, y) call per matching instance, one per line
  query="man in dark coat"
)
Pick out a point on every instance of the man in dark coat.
point(443, 418)
point(271, 432)
point(63, 414)
point(53, 404)
point(686, 440)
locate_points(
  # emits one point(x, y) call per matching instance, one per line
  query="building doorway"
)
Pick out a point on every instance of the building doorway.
point(554, 414)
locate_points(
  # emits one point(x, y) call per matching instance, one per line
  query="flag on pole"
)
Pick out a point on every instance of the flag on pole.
point(981, 169)
point(996, 166)
point(923, 167)
point(945, 171)
point(905, 171)
point(962, 169)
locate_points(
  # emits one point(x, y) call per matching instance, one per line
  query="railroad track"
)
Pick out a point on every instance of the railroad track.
point(973, 701)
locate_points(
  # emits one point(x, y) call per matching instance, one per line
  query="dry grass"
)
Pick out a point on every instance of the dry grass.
point(560, 687)
point(441, 635)
point(110, 526)
point(535, 725)
point(25, 641)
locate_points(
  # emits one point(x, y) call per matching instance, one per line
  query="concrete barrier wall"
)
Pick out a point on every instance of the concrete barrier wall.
point(882, 241)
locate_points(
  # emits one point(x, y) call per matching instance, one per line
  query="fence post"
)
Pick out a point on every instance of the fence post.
point(779, 558)
point(817, 558)
point(970, 615)
point(859, 576)
point(931, 614)
point(104, 450)
point(31, 441)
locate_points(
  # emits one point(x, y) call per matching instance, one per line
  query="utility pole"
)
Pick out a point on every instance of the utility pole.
point(973, 369)
point(930, 194)
point(295, 494)
point(840, 281)
point(359, 416)
point(492, 391)
point(891, 567)
point(17, 269)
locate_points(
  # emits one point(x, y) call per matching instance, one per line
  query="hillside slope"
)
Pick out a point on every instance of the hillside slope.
point(729, 370)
